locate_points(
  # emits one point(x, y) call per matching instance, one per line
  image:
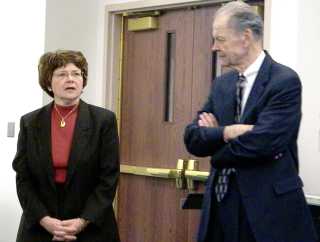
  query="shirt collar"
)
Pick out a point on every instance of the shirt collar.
point(255, 66)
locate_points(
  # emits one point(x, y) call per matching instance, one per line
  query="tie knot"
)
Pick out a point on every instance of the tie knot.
point(241, 80)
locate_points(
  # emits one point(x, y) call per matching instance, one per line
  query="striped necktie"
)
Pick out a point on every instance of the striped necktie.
point(221, 187)
point(240, 88)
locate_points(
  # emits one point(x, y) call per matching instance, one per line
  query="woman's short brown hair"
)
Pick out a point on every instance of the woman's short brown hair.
point(50, 61)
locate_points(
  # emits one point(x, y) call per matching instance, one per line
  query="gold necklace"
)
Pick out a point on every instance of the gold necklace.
point(62, 121)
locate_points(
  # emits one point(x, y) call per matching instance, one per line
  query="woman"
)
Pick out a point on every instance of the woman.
point(67, 160)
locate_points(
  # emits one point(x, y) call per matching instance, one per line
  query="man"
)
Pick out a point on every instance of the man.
point(249, 126)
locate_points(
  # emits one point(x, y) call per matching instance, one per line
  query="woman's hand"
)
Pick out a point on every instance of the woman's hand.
point(63, 230)
point(51, 224)
point(69, 229)
point(61, 236)
point(74, 226)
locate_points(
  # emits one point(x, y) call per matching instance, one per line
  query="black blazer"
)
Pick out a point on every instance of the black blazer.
point(265, 158)
point(92, 174)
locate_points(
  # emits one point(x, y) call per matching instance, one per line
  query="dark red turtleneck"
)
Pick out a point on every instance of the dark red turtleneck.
point(61, 140)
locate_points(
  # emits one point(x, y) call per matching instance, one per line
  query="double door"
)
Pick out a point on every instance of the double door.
point(167, 75)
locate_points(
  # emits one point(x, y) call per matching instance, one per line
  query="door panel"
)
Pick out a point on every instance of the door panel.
point(149, 208)
point(142, 126)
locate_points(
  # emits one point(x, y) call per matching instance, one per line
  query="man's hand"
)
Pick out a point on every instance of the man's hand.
point(233, 131)
point(207, 120)
point(230, 132)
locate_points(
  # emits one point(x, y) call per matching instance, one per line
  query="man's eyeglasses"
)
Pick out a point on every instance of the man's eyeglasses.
point(77, 75)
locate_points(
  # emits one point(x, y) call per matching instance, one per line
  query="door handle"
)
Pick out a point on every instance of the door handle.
point(193, 174)
point(197, 175)
point(180, 180)
point(162, 173)
point(148, 171)
point(177, 174)
point(185, 173)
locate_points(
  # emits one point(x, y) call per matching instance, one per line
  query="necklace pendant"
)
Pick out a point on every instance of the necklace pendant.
point(62, 124)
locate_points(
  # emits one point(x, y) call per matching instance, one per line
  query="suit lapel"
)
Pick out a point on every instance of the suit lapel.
point(258, 87)
point(80, 139)
point(229, 104)
point(44, 141)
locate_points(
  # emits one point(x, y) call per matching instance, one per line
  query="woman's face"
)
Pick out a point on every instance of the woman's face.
point(67, 85)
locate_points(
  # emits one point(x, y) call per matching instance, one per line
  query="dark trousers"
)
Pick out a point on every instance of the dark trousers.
point(228, 220)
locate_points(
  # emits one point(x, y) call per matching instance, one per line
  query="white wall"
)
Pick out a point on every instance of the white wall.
point(294, 41)
point(283, 36)
point(308, 68)
point(73, 24)
point(22, 42)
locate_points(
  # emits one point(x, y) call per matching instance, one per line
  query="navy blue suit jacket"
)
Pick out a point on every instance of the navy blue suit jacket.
point(265, 158)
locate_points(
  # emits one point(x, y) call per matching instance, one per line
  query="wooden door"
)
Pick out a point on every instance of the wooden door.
point(166, 78)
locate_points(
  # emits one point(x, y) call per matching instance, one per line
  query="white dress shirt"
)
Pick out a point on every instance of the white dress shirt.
point(251, 73)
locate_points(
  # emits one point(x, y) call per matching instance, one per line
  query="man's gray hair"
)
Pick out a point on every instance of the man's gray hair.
point(241, 17)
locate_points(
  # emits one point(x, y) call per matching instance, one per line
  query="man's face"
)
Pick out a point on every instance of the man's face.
point(229, 45)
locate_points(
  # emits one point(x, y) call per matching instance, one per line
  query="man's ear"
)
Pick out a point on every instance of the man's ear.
point(247, 37)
